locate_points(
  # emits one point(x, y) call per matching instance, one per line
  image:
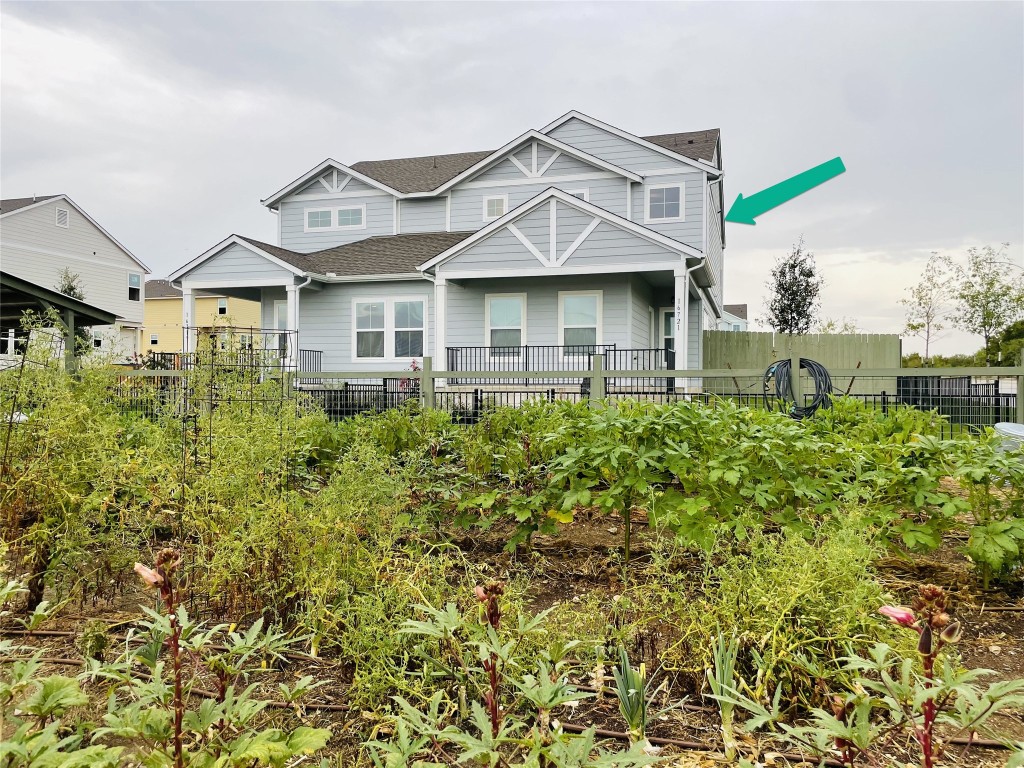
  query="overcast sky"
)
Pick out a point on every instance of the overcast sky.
point(168, 122)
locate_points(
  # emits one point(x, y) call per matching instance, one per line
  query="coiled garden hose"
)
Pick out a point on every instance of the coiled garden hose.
point(783, 389)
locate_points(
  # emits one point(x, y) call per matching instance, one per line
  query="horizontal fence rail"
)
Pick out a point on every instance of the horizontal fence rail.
point(968, 398)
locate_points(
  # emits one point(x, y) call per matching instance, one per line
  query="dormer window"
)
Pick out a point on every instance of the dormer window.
point(664, 203)
point(495, 207)
point(63, 218)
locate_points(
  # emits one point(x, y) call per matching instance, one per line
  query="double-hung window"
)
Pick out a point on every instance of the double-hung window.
point(505, 316)
point(579, 321)
point(134, 286)
point(390, 329)
point(222, 306)
point(664, 203)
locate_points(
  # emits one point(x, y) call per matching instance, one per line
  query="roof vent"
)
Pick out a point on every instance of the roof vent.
point(62, 217)
point(332, 274)
point(435, 162)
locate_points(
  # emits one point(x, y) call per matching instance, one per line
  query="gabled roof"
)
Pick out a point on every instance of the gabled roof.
point(657, 146)
point(21, 204)
point(736, 310)
point(571, 200)
point(312, 173)
point(431, 174)
point(386, 255)
point(17, 203)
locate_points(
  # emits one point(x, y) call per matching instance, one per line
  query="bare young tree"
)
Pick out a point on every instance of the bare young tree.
point(794, 292)
point(989, 295)
point(927, 303)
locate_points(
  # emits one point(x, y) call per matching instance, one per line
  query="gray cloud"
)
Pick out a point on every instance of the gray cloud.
point(169, 121)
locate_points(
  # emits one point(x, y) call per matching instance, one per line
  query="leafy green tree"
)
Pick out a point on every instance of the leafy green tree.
point(1011, 343)
point(794, 292)
point(928, 303)
point(989, 296)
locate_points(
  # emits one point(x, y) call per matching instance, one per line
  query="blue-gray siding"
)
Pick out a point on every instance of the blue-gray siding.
point(379, 220)
point(690, 230)
point(611, 148)
point(421, 215)
point(238, 263)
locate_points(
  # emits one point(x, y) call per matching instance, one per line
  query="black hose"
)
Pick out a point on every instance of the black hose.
point(783, 388)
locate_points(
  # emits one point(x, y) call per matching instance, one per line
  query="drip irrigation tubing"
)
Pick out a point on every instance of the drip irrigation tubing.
point(779, 371)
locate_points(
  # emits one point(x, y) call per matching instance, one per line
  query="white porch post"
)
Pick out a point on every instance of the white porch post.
point(188, 316)
point(681, 316)
point(292, 326)
point(440, 323)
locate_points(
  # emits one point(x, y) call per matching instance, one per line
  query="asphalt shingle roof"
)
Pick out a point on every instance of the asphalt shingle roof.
point(738, 310)
point(423, 174)
point(13, 204)
point(161, 289)
point(383, 255)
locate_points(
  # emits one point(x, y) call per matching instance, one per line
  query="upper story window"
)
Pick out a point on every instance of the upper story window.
point(495, 206)
point(222, 306)
point(664, 203)
point(582, 194)
point(63, 218)
point(154, 339)
point(334, 219)
point(134, 286)
point(389, 329)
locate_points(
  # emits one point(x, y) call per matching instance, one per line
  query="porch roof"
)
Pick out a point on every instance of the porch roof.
point(18, 295)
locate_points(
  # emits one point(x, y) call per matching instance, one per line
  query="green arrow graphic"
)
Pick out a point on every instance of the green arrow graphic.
point(746, 209)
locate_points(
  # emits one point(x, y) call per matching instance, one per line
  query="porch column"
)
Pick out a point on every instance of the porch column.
point(292, 326)
point(681, 313)
point(188, 314)
point(440, 356)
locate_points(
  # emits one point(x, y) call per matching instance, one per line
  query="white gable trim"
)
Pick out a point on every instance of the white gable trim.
point(710, 169)
point(179, 273)
point(556, 194)
point(90, 219)
point(516, 143)
point(274, 199)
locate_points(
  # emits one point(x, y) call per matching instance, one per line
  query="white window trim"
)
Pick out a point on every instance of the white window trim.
point(561, 314)
point(389, 328)
point(487, 319)
point(575, 192)
point(219, 306)
point(487, 199)
point(334, 218)
point(67, 217)
point(648, 188)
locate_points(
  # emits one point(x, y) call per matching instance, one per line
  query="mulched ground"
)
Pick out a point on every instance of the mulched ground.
point(583, 558)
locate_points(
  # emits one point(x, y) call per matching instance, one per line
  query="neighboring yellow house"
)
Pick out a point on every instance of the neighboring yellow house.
point(162, 319)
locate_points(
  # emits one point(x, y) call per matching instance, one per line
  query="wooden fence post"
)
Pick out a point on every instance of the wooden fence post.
point(597, 381)
point(1020, 399)
point(427, 383)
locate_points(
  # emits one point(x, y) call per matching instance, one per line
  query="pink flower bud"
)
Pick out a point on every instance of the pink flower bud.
point(481, 595)
point(899, 615)
point(148, 575)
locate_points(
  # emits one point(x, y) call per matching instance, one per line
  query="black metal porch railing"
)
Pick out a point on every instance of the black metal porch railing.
point(527, 358)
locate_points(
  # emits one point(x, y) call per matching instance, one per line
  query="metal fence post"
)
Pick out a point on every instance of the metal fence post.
point(427, 383)
point(597, 381)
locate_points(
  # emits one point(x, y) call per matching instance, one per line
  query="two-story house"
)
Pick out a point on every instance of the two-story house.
point(572, 239)
point(42, 236)
point(163, 316)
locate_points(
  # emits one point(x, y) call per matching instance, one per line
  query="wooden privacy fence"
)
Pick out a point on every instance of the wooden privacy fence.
point(835, 351)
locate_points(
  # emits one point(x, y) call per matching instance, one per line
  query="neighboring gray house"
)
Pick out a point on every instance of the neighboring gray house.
point(734, 318)
point(41, 236)
point(570, 239)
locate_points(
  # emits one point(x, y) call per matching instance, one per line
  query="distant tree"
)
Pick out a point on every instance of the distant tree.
point(70, 284)
point(988, 296)
point(793, 292)
point(832, 325)
point(928, 303)
point(1011, 343)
